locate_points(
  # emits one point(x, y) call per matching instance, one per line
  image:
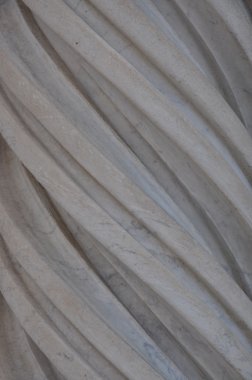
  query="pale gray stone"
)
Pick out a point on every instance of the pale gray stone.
point(125, 190)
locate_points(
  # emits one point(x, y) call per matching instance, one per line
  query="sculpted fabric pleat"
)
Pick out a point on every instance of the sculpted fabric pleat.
point(125, 191)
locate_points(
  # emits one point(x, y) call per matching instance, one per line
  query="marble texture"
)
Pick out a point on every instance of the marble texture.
point(125, 190)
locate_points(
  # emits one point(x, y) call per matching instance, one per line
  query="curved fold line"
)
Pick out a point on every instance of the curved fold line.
point(198, 155)
point(232, 77)
point(16, 357)
point(119, 188)
point(44, 121)
point(234, 22)
point(162, 311)
point(214, 107)
point(157, 280)
point(211, 275)
point(215, 67)
point(41, 332)
point(89, 286)
point(82, 318)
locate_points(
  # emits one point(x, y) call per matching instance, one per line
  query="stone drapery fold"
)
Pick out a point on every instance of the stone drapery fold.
point(125, 190)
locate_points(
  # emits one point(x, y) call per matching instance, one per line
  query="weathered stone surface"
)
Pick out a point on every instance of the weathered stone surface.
point(125, 190)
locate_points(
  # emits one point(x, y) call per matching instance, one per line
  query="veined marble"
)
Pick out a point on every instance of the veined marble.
point(125, 190)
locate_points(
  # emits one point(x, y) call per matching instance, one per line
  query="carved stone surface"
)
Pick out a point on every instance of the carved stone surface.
point(125, 190)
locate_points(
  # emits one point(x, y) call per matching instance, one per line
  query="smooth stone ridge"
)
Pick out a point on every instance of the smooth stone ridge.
point(125, 190)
